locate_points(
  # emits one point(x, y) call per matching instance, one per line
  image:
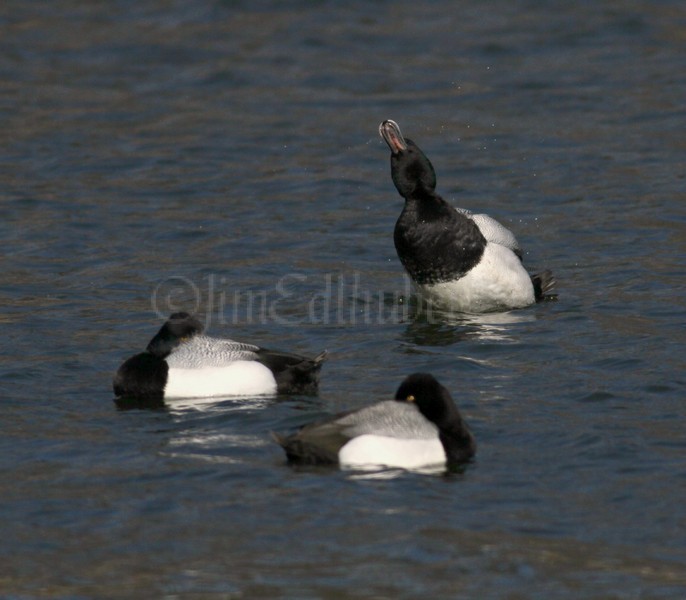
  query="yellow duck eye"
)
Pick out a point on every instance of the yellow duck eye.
point(410, 398)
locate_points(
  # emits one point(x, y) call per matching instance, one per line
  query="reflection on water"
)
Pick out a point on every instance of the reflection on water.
point(213, 447)
point(179, 406)
point(382, 472)
point(446, 329)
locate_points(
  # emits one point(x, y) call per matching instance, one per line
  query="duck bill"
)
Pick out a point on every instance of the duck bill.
point(390, 132)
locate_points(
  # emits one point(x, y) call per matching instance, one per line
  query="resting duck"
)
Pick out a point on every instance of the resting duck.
point(181, 362)
point(421, 428)
point(460, 261)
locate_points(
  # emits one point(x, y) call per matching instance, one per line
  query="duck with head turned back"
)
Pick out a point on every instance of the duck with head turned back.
point(181, 362)
point(421, 428)
point(460, 261)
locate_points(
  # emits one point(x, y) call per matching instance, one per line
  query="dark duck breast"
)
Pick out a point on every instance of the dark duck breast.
point(459, 260)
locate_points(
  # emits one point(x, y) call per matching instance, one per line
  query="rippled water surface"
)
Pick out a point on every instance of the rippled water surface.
point(223, 158)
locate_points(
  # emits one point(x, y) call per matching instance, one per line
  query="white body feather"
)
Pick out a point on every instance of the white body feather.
point(492, 230)
point(203, 367)
point(497, 282)
point(240, 378)
point(371, 450)
point(390, 434)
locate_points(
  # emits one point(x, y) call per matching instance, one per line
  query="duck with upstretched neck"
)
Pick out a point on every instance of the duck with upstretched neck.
point(181, 362)
point(460, 261)
point(421, 428)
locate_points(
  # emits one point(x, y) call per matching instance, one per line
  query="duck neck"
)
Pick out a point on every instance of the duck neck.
point(458, 443)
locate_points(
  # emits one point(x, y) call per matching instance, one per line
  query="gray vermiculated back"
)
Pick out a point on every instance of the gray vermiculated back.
point(204, 351)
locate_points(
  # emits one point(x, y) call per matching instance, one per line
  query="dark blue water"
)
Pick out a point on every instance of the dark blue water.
point(223, 158)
